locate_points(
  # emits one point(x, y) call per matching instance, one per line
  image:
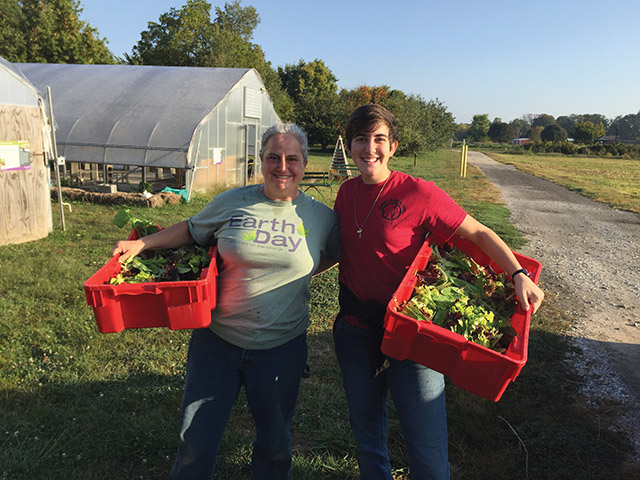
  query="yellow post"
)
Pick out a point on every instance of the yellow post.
point(466, 150)
point(463, 159)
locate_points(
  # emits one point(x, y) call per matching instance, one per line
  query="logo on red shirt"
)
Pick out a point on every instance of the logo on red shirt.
point(392, 209)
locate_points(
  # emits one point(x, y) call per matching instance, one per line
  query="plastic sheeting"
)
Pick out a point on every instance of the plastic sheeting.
point(131, 115)
point(15, 89)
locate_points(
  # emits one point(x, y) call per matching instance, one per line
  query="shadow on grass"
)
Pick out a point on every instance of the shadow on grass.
point(127, 429)
point(540, 429)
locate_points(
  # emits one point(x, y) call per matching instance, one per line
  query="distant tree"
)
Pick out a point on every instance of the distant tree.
point(535, 134)
point(568, 123)
point(49, 31)
point(594, 118)
point(461, 132)
point(586, 132)
point(543, 120)
point(520, 127)
point(528, 119)
point(188, 37)
point(553, 133)
point(626, 127)
point(479, 127)
point(313, 89)
point(501, 132)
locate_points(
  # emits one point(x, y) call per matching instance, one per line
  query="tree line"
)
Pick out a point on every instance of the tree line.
point(304, 92)
point(580, 128)
point(50, 31)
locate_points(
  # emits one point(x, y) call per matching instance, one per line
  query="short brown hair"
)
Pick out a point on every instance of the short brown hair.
point(366, 118)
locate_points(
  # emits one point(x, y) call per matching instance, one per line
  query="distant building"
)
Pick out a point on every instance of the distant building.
point(609, 139)
point(520, 141)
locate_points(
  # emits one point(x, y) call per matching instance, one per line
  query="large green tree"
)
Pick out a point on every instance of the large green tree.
point(189, 37)
point(314, 91)
point(479, 128)
point(543, 120)
point(501, 132)
point(586, 132)
point(461, 132)
point(12, 39)
point(553, 133)
point(423, 125)
point(520, 127)
point(49, 31)
point(626, 127)
point(568, 123)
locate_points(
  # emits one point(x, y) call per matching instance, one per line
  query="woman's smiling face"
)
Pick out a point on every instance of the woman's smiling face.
point(282, 167)
point(371, 152)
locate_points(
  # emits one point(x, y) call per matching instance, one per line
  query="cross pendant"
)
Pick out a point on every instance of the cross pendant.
point(359, 232)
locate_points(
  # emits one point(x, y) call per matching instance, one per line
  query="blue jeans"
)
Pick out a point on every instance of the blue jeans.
point(216, 370)
point(418, 396)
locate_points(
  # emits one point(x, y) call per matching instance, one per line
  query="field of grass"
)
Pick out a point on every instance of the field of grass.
point(609, 180)
point(77, 404)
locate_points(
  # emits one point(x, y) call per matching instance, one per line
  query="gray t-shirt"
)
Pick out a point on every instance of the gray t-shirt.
point(269, 251)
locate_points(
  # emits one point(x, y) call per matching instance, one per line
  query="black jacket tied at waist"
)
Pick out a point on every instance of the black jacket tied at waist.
point(371, 314)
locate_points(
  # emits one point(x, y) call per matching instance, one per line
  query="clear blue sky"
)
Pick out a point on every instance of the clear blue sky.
point(505, 58)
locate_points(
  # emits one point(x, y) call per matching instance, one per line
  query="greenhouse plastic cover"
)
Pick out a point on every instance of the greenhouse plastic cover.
point(15, 89)
point(130, 115)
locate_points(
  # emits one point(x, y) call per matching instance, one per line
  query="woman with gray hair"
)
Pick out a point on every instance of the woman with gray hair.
point(271, 239)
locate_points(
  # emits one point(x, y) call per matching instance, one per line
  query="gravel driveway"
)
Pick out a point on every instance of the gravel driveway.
point(590, 255)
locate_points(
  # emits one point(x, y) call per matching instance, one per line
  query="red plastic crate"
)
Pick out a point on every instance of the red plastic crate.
point(470, 366)
point(176, 305)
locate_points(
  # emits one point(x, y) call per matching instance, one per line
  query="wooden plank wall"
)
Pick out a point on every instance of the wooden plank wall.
point(25, 198)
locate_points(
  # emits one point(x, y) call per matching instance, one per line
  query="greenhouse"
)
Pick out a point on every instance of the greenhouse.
point(118, 122)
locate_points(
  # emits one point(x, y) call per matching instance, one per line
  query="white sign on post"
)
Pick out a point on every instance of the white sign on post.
point(14, 155)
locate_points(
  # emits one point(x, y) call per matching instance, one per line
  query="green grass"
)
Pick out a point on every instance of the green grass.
point(613, 181)
point(77, 404)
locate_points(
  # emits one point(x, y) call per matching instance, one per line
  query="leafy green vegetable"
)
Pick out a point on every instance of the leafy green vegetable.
point(184, 263)
point(143, 227)
point(455, 292)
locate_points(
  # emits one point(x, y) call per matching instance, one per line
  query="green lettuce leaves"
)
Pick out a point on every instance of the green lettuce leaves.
point(455, 292)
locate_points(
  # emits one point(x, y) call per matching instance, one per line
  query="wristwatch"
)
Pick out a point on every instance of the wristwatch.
point(524, 271)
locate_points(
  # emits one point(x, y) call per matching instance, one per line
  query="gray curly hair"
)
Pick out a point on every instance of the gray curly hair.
point(282, 128)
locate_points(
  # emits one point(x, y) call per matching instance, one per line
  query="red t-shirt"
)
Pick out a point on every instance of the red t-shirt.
point(409, 208)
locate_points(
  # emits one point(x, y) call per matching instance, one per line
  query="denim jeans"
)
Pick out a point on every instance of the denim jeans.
point(418, 397)
point(216, 370)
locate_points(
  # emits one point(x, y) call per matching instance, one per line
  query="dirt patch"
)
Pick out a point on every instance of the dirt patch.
point(117, 198)
point(590, 255)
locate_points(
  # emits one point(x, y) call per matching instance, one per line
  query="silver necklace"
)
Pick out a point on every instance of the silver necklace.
point(355, 206)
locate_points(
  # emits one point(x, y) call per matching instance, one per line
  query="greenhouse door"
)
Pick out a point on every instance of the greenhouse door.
point(250, 154)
